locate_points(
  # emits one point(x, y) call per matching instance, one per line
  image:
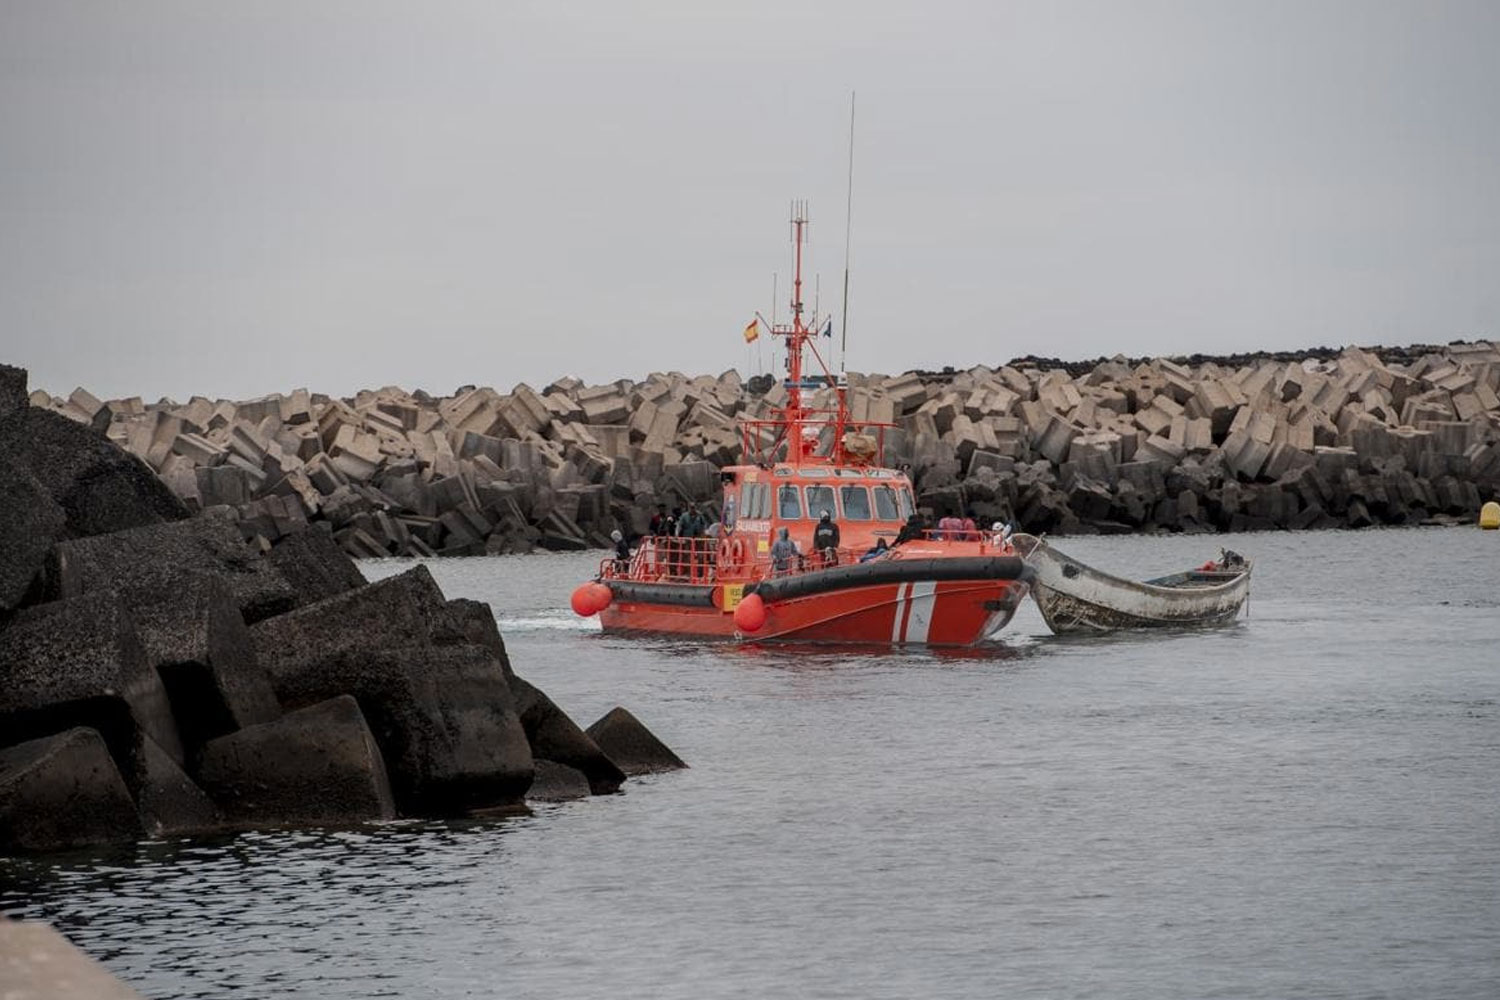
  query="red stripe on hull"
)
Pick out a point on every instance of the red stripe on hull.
point(956, 613)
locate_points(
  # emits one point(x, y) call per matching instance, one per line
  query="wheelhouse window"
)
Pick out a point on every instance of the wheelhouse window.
point(788, 503)
point(885, 504)
point(819, 499)
point(754, 501)
point(856, 500)
point(903, 497)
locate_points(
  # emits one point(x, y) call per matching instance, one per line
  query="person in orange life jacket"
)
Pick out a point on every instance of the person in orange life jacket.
point(826, 537)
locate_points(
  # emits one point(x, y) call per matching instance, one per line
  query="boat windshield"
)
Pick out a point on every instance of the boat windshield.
point(788, 503)
point(856, 502)
point(885, 503)
point(819, 499)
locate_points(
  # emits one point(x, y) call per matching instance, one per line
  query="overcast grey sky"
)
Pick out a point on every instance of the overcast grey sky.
point(239, 198)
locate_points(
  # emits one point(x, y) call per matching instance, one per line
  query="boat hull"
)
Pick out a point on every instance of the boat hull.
point(917, 611)
point(1074, 598)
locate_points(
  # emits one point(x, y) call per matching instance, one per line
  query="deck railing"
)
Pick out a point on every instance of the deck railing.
point(707, 561)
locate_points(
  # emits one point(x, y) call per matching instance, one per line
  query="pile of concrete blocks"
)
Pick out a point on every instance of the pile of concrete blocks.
point(162, 675)
point(480, 471)
point(1335, 438)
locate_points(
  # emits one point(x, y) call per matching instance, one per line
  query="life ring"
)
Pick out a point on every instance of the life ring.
point(731, 553)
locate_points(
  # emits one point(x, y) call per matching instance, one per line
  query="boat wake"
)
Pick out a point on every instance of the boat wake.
point(548, 621)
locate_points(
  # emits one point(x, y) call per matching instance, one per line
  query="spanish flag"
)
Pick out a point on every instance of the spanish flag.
point(752, 331)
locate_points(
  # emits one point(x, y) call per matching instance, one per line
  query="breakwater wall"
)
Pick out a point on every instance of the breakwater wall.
point(161, 674)
point(1345, 437)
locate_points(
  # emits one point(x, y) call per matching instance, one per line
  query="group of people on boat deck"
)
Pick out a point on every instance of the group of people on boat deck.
point(692, 523)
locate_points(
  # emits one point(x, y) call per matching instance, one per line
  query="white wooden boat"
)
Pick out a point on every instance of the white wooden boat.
point(1077, 598)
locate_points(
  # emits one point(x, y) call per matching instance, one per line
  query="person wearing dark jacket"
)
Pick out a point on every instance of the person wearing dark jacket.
point(910, 531)
point(826, 538)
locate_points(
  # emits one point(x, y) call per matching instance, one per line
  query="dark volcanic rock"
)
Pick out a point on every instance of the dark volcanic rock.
point(145, 563)
point(167, 799)
point(314, 566)
point(554, 736)
point(62, 791)
point(200, 646)
point(30, 521)
point(474, 621)
point(440, 705)
point(631, 745)
point(99, 486)
point(79, 662)
point(443, 716)
point(319, 764)
point(401, 610)
point(12, 390)
point(558, 783)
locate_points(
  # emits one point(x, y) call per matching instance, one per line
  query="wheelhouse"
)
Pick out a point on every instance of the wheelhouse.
point(866, 503)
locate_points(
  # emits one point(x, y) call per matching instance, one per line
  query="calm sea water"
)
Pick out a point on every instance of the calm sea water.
point(1305, 804)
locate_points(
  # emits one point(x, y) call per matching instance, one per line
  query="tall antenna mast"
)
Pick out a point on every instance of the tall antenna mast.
point(848, 229)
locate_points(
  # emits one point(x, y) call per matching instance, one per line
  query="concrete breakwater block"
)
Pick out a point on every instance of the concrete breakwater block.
point(555, 737)
point(201, 649)
point(79, 662)
point(319, 764)
point(558, 783)
point(314, 565)
point(440, 705)
point(32, 521)
point(38, 963)
point(633, 747)
point(167, 800)
point(144, 563)
point(62, 791)
point(99, 487)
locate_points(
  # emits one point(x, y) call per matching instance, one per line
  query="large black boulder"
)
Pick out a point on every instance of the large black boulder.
point(406, 609)
point(79, 662)
point(314, 565)
point(30, 521)
point(12, 390)
point(555, 737)
point(168, 801)
point(473, 621)
point(145, 563)
point(201, 648)
point(319, 764)
point(631, 745)
point(557, 783)
point(443, 716)
point(439, 704)
point(62, 791)
point(99, 486)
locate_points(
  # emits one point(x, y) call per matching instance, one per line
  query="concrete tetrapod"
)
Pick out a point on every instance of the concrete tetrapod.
point(319, 764)
point(631, 745)
point(63, 791)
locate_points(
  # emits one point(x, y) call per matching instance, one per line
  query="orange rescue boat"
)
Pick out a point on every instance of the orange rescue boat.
point(885, 581)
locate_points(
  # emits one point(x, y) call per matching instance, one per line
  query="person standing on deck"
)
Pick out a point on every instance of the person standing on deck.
point(826, 538)
point(783, 552)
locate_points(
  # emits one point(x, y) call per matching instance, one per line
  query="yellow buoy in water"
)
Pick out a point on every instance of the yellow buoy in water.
point(1489, 516)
